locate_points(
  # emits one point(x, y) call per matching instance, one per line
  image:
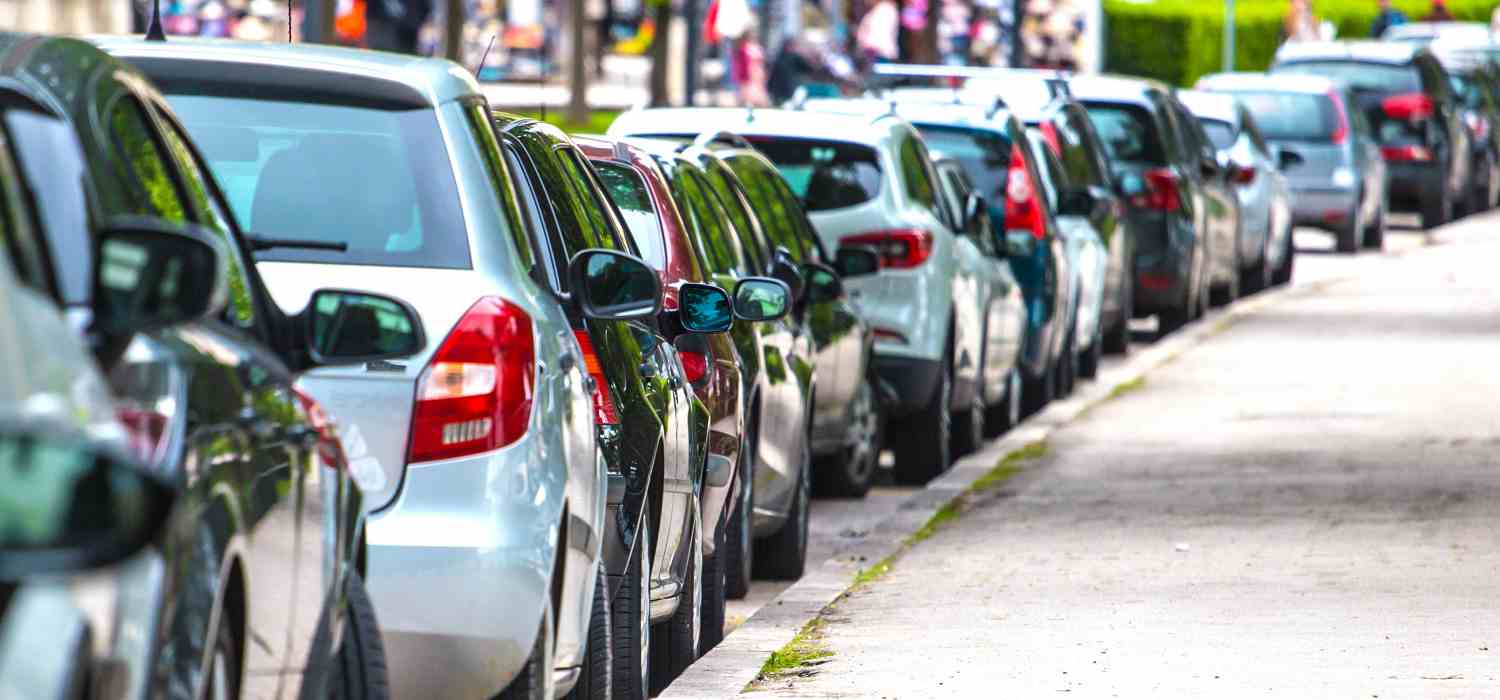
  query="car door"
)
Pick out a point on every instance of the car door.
point(1002, 310)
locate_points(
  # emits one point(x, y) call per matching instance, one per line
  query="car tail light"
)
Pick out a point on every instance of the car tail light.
point(1022, 211)
point(330, 449)
point(1162, 192)
point(898, 248)
point(695, 365)
point(1413, 106)
point(475, 394)
point(1406, 153)
point(604, 404)
point(1341, 129)
point(1244, 174)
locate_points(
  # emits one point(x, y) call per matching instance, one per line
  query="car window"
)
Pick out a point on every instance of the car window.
point(708, 223)
point(774, 217)
point(1128, 132)
point(1359, 75)
point(798, 219)
point(1093, 148)
point(50, 161)
point(1051, 170)
point(17, 227)
point(322, 168)
point(916, 176)
point(594, 208)
point(1290, 116)
point(628, 191)
point(722, 186)
point(825, 175)
point(146, 165)
point(983, 154)
point(1220, 133)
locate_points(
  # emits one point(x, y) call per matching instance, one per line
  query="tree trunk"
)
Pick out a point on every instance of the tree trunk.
point(317, 21)
point(453, 31)
point(661, 13)
point(578, 77)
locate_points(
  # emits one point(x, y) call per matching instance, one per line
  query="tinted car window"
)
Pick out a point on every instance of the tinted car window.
point(628, 191)
point(157, 194)
point(775, 218)
point(16, 228)
point(1287, 116)
point(720, 248)
point(1128, 132)
point(1360, 75)
point(375, 178)
point(48, 155)
point(726, 192)
point(983, 154)
point(1220, 133)
point(916, 175)
point(825, 175)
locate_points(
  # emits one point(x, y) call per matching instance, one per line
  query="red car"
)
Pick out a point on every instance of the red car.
point(640, 192)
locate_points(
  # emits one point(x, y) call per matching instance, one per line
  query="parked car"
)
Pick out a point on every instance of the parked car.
point(1414, 112)
point(1324, 145)
point(768, 527)
point(1176, 204)
point(656, 439)
point(1265, 199)
point(477, 455)
point(1476, 79)
point(264, 561)
point(1423, 33)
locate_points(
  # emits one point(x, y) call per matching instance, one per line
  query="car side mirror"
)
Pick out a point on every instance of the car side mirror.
point(856, 261)
point(1286, 159)
point(347, 327)
point(786, 270)
point(611, 286)
point(1076, 201)
point(761, 299)
point(823, 283)
point(68, 507)
point(150, 276)
point(704, 308)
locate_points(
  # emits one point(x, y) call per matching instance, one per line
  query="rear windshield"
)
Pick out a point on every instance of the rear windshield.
point(628, 191)
point(984, 155)
point(1221, 133)
point(1360, 75)
point(375, 178)
point(1290, 116)
point(1127, 131)
point(824, 174)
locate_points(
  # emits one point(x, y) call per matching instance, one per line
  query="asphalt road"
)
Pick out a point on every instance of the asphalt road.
point(1300, 506)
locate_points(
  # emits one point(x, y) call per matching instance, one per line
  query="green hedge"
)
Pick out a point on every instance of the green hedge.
point(1177, 41)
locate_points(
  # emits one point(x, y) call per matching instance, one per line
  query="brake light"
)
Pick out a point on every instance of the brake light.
point(1162, 192)
point(694, 365)
point(1340, 130)
point(475, 394)
point(899, 248)
point(604, 404)
point(1412, 106)
point(1022, 211)
point(330, 449)
point(1406, 153)
point(1244, 174)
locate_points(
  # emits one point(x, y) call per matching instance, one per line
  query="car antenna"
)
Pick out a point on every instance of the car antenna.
point(484, 58)
point(154, 32)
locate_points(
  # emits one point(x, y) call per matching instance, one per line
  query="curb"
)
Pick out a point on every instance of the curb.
point(736, 661)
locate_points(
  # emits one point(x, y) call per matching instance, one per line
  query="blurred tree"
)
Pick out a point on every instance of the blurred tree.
point(661, 16)
point(578, 79)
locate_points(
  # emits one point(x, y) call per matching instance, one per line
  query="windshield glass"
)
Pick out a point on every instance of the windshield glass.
point(1383, 77)
point(1127, 132)
point(1219, 132)
point(984, 155)
point(824, 174)
point(374, 178)
point(628, 191)
point(1290, 116)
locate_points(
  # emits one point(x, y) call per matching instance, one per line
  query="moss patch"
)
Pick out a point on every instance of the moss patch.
point(804, 649)
point(868, 576)
point(1127, 387)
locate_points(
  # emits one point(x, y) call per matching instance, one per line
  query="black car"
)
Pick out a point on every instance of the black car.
point(1167, 176)
point(264, 552)
point(658, 447)
point(1414, 111)
point(1477, 82)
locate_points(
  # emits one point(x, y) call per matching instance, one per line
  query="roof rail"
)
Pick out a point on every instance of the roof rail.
point(1058, 86)
point(709, 138)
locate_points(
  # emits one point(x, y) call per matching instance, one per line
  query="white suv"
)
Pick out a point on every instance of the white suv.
point(867, 179)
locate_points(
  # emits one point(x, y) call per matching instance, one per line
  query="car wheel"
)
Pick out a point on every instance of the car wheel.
point(737, 544)
point(1437, 213)
point(630, 611)
point(224, 676)
point(1375, 234)
point(1037, 392)
point(1005, 415)
point(595, 678)
point(1283, 273)
point(361, 671)
point(1253, 278)
point(1067, 375)
point(968, 425)
point(919, 460)
point(675, 645)
point(713, 600)
point(783, 556)
point(1117, 337)
point(1088, 361)
point(849, 473)
point(531, 683)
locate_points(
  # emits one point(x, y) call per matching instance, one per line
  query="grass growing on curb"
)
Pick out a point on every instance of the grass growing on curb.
point(1127, 387)
point(804, 649)
point(868, 576)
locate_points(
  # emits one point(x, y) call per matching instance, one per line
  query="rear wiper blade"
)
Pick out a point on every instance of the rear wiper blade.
point(259, 243)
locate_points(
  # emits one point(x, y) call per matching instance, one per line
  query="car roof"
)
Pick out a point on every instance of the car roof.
point(1114, 88)
point(1368, 51)
point(1230, 82)
point(1210, 105)
point(935, 106)
point(847, 127)
point(51, 68)
point(429, 81)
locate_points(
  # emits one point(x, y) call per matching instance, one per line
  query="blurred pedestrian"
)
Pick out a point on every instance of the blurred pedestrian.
point(750, 69)
point(1300, 24)
point(875, 38)
point(394, 25)
point(1385, 19)
point(731, 19)
point(1439, 12)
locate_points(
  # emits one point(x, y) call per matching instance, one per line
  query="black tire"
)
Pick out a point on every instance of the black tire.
point(1090, 358)
point(849, 473)
point(1037, 392)
point(1253, 279)
point(1067, 374)
point(1117, 337)
point(925, 448)
point(361, 672)
point(737, 545)
point(783, 556)
point(714, 610)
point(1374, 238)
point(596, 676)
point(226, 667)
point(968, 425)
point(1225, 294)
point(531, 682)
point(674, 643)
point(1283, 273)
point(1004, 415)
point(630, 618)
point(1435, 214)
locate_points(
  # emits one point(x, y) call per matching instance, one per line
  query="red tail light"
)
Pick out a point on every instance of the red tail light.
point(899, 248)
point(604, 404)
point(1244, 174)
point(330, 449)
point(475, 394)
point(1162, 192)
point(1341, 129)
point(1406, 153)
point(1022, 211)
point(1412, 106)
point(695, 365)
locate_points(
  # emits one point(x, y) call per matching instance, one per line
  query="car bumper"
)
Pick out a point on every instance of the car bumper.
point(1323, 207)
point(913, 380)
point(1414, 184)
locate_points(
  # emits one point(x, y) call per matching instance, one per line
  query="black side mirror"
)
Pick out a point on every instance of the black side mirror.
point(73, 508)
point(761, 299)
point(784, 268)
point(1076, 201)
point(612, 286)
point(346, 327)
point(823, 283)
point(704, 308)
point(856, 261)
point(149, 276)
point(1286, 159)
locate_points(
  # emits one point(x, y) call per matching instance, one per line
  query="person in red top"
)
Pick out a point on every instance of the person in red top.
point(749, 69)
point(1439, 12)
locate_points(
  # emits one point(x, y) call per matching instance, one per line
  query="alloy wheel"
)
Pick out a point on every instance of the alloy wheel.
point(865, 430)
